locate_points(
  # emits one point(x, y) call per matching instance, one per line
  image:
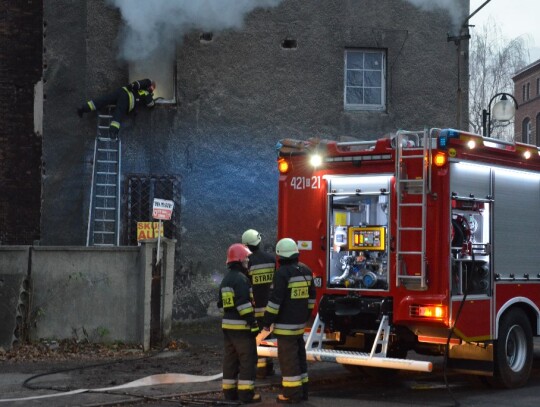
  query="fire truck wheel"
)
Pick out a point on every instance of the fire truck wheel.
point(513, 352)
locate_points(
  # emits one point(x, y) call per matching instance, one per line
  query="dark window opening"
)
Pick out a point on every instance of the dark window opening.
point(289, 43)
point(206, 37)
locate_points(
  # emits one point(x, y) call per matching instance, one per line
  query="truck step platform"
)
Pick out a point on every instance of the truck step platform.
point(354, 358)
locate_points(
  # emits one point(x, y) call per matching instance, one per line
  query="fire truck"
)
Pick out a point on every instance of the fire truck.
point(421, 243)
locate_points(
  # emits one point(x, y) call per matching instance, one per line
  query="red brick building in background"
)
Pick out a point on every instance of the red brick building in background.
point(21, 43)
point(527, 94)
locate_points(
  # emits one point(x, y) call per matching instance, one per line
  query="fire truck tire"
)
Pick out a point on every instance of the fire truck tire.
point(513, 351)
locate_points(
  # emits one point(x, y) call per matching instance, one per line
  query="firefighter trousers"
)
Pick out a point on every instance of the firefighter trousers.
point(239, 365)
point(119, 98)
point(265, 366)
point(293, 366)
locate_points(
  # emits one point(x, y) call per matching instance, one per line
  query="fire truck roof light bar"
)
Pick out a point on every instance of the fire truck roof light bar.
point(358, 158)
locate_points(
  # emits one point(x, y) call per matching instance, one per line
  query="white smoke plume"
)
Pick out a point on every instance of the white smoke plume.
point(454, 8)
point(152, 25)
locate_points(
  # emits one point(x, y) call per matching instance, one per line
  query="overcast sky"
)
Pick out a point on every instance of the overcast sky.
point(515, 18)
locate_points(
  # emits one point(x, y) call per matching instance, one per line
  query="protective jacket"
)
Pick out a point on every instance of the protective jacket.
point(292, 298)
point(261, 273)
point(236, 300)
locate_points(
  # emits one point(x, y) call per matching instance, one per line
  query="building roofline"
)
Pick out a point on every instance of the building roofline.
point(525, 69)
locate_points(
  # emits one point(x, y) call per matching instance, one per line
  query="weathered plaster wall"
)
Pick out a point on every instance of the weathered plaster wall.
point(237, 96)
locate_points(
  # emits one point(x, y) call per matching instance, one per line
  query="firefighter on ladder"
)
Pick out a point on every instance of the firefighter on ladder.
point(125, 99)
point(262, 267)
point(289, 308)
point(239, 328)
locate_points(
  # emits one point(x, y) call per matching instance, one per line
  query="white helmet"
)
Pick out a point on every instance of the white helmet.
point(286, 248)
point(251, 237)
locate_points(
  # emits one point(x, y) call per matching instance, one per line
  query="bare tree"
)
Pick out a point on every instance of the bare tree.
point(493, 60)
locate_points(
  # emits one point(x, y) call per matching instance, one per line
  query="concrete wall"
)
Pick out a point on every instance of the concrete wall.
point(237, 95)
point(99, 294)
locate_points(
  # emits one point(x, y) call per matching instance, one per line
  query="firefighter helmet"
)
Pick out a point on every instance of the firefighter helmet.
point(237, 252)
point(286, 248)
point(251, 237)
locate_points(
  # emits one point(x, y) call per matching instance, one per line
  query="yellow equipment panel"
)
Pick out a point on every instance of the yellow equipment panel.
point(367, 238)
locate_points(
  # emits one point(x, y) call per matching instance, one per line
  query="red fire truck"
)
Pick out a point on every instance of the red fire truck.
point(420, 241)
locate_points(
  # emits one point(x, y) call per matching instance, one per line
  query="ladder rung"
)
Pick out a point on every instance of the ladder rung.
point(107, 162)
point(411, 204)
point(106, 196)
point(410, 277)
point(108, 150)
point(105, 208)
point(411, 180)
point(105, 185)
point(104, 220)
point(105, 173)
point(104, 244)
point(415, 253)
point(102, 232)
point(404, 157)
point(105, 116)
point(410, 228)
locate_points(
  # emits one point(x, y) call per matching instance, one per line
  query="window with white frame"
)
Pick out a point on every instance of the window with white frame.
point(365, 77)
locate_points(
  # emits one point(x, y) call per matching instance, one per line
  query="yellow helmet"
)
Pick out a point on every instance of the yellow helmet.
point(251, 237)
point(286, 248)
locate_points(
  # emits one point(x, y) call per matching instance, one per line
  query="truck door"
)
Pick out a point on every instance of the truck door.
point(471, 258)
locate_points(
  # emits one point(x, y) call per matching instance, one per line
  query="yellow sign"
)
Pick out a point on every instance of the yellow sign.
point(148, 230)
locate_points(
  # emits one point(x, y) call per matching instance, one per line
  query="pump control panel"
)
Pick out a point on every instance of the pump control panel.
point(367, 238)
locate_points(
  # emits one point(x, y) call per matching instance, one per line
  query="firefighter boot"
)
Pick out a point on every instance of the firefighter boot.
point(305, 396)
point(265, 368)
point(230, 394)
point(256, 398)
point(281, 399)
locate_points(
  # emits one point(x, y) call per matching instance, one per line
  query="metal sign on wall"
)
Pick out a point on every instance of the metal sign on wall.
point(162, 209)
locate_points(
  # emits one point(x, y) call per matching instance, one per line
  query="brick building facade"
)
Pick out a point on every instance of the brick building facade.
point(21, 34)
point(527, 93)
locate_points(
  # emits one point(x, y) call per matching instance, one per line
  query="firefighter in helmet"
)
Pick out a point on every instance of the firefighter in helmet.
point(289, 308)
point(262, 267)
point(239, 328)
point(125, 99)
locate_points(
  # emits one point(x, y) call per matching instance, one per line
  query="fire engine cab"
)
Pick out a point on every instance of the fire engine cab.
point(420, 241)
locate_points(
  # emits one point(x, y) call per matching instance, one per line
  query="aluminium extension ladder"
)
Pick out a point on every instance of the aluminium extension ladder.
point(411, 261)
point(104, 209)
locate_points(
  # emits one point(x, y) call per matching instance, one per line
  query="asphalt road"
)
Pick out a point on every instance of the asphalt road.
point(331, 385)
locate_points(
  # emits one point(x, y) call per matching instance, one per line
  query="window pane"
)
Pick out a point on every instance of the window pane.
point(372, 96)
point(355, 96)
point(373, 78)
point(355, 78)
point(364, 79)
point(373, 61)
point(355, 60)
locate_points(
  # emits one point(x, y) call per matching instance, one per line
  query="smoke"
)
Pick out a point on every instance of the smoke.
point(453, 7)
point(159, 25)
